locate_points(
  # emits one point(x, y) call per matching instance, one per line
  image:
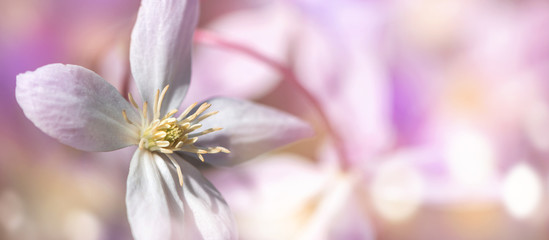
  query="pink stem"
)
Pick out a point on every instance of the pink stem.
point(213, 39)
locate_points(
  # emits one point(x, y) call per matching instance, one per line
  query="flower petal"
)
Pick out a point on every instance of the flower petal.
point(338, 214)
point(207, 213)
point(158, 208)
point(76, 106)
point(340, 66)
point(160, 50)
point(268, 196)
point(351, 222)
point(148, 211)
point(265, 28)
point(248, 130)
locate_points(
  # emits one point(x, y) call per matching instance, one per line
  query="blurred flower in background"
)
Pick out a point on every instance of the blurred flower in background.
point(430, 117)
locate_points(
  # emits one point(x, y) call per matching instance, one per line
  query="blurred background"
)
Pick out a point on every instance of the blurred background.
point(431, 117)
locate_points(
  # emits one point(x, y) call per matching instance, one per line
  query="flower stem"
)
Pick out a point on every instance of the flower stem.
point(213, 39)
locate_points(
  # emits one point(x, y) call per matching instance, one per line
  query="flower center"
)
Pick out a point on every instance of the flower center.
point(174, 133)
point(169, 134)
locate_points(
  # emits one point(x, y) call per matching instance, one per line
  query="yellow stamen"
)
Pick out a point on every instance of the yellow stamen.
point(155, 106)
point(178, 169)
point(169, 134)
point(126, 117)
point(187, 111)
point(145, 116)
point(207, 115)
point(209, 130)
point(171, 113)
point(132, 101)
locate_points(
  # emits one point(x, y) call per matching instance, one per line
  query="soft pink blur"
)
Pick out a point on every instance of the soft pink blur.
point(431, 117)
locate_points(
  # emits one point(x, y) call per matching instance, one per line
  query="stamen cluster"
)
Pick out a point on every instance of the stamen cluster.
point(169, 134)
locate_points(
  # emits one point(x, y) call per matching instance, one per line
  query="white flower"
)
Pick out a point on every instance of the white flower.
point(166, 196)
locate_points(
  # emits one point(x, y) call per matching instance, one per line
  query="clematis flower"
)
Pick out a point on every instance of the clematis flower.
point(166, 196)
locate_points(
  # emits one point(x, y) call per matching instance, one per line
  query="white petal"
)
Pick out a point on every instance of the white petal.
point(146, 200)
point(207, 211)
point(248, 130)
point(77, 107)
point(159, 208)
point(160, 50)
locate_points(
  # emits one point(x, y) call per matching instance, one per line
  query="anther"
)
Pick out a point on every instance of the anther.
point(132, 101)
point(178, 169)
point(126, 117)
point(210, 130)
point(160, 135)
point(194, 127)
point(162, 144)
point(207, 115)
point(171, 113)
point(145, 116)
point(184, 113)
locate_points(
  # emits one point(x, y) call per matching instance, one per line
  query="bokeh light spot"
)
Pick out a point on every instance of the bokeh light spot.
point(397, 191)
point(471, 159)
point(82, 224)
point(521, 191)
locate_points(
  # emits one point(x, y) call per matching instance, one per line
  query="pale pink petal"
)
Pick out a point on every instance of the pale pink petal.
point(265, 28)
point(272, 197)
point(77, 107)
point(312, 202)
point(351, 222)
point(160, 50)
point(249, 130)
point(146, 200)
point(159, 208)
point(340, 64)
